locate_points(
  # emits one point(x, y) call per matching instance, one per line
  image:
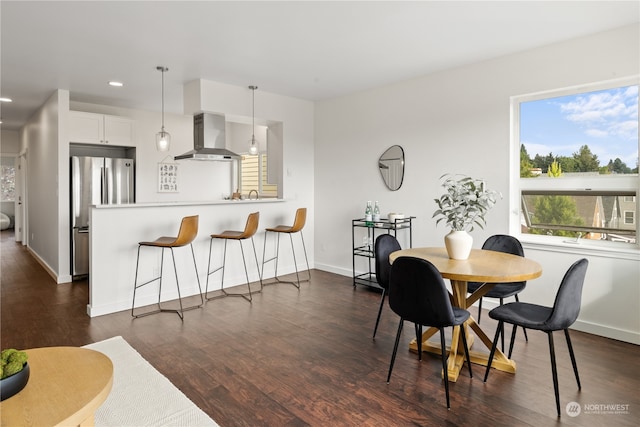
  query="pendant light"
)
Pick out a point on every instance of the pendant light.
point(253, 144)
point(163, 139)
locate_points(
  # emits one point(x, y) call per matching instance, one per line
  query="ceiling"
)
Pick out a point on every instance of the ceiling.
point(302, 49)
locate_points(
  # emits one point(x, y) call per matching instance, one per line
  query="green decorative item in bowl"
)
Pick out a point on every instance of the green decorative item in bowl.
point(15, 372)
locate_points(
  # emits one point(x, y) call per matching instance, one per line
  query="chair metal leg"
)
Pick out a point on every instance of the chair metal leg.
point(513, 339)
point(419, 340)
point(375, 329)
point(524, 330)
point(573, 358)
point(502, 331)
point(493, 350)
point(554, 371)
point(395, 349)
point(445, 372)
point(479, 309)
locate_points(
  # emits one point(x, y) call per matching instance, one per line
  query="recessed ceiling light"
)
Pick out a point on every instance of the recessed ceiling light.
point(116, 84)
point(3, 99)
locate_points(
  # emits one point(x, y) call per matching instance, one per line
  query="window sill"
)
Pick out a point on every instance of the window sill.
point(583, 247)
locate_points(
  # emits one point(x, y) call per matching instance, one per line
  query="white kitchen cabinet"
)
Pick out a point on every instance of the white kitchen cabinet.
point(91, 128)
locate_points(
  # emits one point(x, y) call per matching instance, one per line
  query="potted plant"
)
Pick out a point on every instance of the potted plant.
point(462, 206)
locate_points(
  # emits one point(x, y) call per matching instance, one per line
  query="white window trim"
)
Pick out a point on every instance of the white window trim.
point(625, 183)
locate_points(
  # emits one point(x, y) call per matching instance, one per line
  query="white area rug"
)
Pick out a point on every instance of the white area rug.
point(142, 396)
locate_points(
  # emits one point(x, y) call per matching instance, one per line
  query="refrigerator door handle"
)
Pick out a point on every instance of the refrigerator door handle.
point(105, 186)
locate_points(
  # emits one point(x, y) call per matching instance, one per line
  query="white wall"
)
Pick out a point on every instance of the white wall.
point(42, 132)
point(9, 142)
point(458, 121)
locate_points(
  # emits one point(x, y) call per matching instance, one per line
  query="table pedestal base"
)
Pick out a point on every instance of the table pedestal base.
point(456, 350)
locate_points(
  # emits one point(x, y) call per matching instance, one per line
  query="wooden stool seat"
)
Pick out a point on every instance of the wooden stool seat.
point(298, 225)
point(230, 234)
point(186, 235)
point(249, 231)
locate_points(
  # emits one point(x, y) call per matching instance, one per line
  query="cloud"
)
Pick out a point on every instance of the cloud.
point(606, 113)
point(597, 133)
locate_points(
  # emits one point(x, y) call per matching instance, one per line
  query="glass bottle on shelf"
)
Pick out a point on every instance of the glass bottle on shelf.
point(368, 215)
point(376, 212)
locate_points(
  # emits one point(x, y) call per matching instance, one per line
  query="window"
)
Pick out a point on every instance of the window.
point(254, 176)
point(578, 163)
point(8, 180)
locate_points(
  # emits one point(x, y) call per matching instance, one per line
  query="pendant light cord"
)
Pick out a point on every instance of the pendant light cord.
point(162, 70)
point(253, 112)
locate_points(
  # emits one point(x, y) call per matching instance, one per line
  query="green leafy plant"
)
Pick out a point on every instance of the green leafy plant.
point(464, 203)
point(12, 361)
point(555, 169)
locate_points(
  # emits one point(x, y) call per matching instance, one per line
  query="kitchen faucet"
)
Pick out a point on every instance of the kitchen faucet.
point(251, 192)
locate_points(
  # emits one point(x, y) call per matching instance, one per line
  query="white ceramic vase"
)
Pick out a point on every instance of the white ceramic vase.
point(458, 244)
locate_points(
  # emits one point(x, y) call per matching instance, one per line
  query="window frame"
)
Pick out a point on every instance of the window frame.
point(262, 163)
point(568, 185)
point(633, 217)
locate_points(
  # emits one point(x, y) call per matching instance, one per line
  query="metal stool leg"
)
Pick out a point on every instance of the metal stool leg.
point(255, 255)
point(160, 309)
point(276, 257)
point(210, 272)
point(248, 295)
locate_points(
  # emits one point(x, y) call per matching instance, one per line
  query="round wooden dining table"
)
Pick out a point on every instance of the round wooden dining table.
point(487, 267)
point(66, 386)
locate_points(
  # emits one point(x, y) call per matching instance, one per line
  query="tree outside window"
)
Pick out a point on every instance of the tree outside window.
point(578, 162)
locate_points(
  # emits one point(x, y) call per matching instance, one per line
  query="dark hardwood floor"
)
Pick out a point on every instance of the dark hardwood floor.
point(306, 357)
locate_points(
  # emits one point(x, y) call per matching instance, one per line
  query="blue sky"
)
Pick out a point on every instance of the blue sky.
point(606, 121)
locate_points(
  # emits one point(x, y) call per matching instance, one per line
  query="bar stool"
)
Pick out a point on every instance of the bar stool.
point(249, 230)
point(187, 233)
point(298, 225)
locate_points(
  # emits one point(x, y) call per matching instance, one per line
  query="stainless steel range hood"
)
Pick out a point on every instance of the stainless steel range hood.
point(208, 139)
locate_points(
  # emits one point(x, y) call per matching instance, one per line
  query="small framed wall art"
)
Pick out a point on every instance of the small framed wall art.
point(167, 177)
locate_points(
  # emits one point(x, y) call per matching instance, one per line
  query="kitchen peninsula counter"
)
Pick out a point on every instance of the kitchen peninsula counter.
point(194, 203)
point(115, 231)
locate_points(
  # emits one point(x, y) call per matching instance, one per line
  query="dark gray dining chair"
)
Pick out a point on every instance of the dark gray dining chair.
point(563, 314)
point(384, 245)
point(510, 245)
point(417, 293)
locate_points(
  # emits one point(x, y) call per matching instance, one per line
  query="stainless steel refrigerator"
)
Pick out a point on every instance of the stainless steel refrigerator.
point(95, 181)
